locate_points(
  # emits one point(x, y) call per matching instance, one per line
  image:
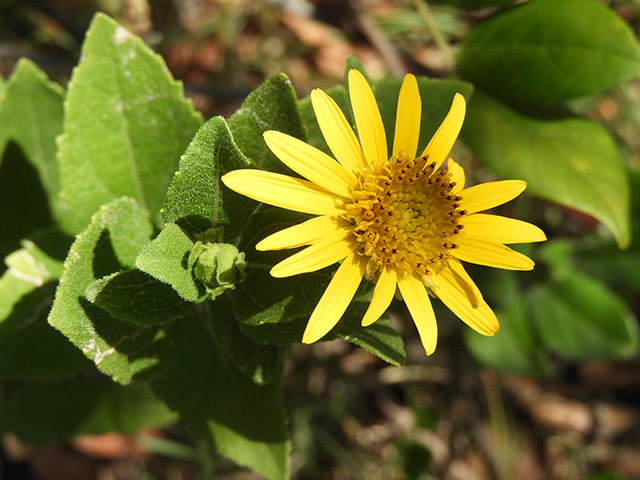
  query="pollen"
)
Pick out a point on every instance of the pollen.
point(405, 215)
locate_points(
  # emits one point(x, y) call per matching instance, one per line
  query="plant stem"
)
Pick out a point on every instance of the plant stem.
point(427, 18)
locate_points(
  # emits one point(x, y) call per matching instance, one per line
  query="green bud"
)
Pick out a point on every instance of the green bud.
point(217, 265)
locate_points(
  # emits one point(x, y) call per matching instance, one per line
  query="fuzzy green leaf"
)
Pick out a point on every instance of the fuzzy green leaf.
point(242, 420)
point(126, 125)
point(271, 106)
point(197, 200)
point(30, 120)
point(121, 349)
point(578, 317)
point(546, 51)
point(43, 413)
point(165, 259)
point(380, 339)
point(133, 296)
point(262, 363)
point(572, 161)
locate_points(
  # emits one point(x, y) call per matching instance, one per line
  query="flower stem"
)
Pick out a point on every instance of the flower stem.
point(427, 18)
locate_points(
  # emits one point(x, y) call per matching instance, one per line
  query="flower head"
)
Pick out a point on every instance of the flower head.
point(403, 220)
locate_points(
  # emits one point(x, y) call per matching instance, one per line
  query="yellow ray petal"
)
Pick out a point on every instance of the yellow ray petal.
point(454, 295)
point(408, 115)
point(440, 144)
point(501, 229)
point(457, 175)
point(337, 132)
point(417, 300)
point(368, 120)
point(382, 296)
point(331, 249)
point(492, 254)
point(336, 298)
point(491, 194)
point(310, 162)
point(282, 191)
point(463, 279)
point(305, 233)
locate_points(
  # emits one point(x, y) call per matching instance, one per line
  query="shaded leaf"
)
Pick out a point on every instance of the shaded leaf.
point(133, 296)
point(380, 339)
point(263, 299)
point(572, 161)
point(262, 363)
point(43, 413)
point(121, 349)
point(30, 120)
point(165, 259)
point(196, 199)
point(29, 347)
point(515, 347)
point(578, 317)
point(271, 106)
point(547, 51)
point(126, 125)
point(242, 420)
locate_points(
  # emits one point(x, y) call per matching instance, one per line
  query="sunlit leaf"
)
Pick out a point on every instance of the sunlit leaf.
point(126, 125)
point(571, 161)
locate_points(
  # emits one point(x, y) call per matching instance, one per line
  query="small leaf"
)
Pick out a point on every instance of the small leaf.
point(547, 51)
point(121, 349)
point(126, 124)
point(271, 106)
point(578, 317)
point(165, 259)
point(197, 200)
point(30, 120)
point(475, 4)
point(242, 420)
point(44, 413)
point(515, 347)
point(380, 339)
point(572, 161)
point(136, 297)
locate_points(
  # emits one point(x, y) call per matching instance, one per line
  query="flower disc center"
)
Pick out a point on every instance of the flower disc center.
point(405, 215)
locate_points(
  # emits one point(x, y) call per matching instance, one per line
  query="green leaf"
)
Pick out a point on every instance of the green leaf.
point(515, 347)
point(262, 363)
point(197, 200)
point(271, 106)
point(242, 420)
point(43, 413)
point(579, 318)
point(380, 339)
point(133, 296)
point(165, 259)
point(263, 299)
point(572, 161)
point(121, 349)
point(545, 51)
point(126, 124)
point(29, 347)
point(30, 120)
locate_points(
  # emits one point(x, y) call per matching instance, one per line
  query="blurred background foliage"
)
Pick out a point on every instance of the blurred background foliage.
point(516, 406)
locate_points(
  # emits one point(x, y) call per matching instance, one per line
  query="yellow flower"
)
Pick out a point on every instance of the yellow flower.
point(404, 221)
